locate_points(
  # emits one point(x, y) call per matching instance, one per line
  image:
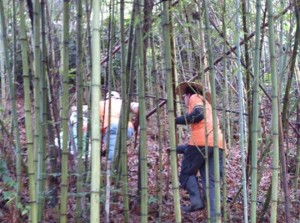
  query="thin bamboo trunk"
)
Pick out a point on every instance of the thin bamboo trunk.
point(28, 120)
point(296, 182)
point(37, 67)
point(142, 115)
point(3, 78)
point(283, 121)
point(248, 142)
point(255, 124)
point(52, 113)
point(110, 85)
point(65, 113)
point(275, 113)
point(96, 97)
point(43, 115)
point(124, 121)
point(214, 115)
point(170, 107)
point(226, 118)
point(10, 70)
point(159, 133)
point(79, 123)
point(13, 100)
point(241, 117)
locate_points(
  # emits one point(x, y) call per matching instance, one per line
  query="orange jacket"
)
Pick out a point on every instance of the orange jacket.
point(198, 131)
point(115, 112)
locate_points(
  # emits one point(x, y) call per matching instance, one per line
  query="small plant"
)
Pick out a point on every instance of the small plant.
point(8, 192)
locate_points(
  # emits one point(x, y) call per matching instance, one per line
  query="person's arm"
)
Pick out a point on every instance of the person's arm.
point(195, 116)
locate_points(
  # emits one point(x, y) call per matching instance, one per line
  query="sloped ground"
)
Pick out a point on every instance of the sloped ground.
point(234, 206)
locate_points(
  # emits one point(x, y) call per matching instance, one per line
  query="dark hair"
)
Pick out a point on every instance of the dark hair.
point(191, 90)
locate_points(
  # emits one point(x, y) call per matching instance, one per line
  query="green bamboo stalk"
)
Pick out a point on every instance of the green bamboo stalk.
point(226, 118)
point(88, 69)
point(79, 87)
point(283, 122)
point(37, 69)
point(28, 121)
point(14, 110)
point(286, 98)
point(170, 107)
point(51, 110)
point(95, 126)
point(109, 83)
point(275, 113)
point(241, 116)
point(255, 124)
point(43, 115)
point(10, 72)
point(159, 133)
point(124, 117)
point(88, 4)
point(3, 73)
point(65, 113)
point(282, 56)
point(248, 122)
point(214, 111)
point(298, 149)
point(142, 115)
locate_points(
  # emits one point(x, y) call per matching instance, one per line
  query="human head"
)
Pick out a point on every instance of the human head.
point(112, 94)
point(190, 88)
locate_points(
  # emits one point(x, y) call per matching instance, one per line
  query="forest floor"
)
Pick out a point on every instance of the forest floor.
point(234, 199)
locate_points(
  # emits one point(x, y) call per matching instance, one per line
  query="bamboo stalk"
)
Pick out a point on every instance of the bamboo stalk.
point(255, 124)
point(96, 136)
point(275, 114)
point(170, 107)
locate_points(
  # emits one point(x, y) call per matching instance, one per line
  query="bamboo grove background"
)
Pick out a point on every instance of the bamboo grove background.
point(57, 54)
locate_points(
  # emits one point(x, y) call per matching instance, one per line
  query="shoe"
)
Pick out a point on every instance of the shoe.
point(190, 208)
point(197, 203)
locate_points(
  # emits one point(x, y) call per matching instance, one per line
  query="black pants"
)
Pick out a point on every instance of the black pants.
point(194, 161)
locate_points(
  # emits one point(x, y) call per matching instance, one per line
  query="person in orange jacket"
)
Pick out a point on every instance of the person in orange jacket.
point(110, 112)
point(200, 119)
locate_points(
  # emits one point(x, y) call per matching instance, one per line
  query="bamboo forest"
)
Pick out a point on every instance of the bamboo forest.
point(62, 62)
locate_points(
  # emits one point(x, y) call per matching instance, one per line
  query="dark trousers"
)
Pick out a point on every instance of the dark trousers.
point(194, 161)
